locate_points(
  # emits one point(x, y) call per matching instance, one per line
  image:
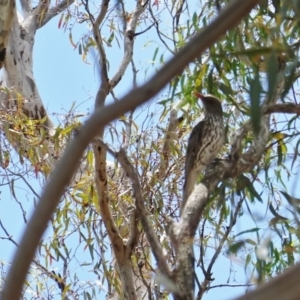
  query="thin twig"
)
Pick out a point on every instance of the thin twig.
point(156, 23)
point(141, 32)
point(231, 285)
point(26, 182)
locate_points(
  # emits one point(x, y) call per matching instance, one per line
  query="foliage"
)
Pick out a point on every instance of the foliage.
point(251, 218)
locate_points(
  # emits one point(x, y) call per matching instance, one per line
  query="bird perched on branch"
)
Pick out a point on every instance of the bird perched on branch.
point(204, 143)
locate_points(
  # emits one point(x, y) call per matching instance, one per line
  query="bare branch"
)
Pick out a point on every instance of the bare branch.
point(288, 108)
point(141, 32)
point(9, 237)
point(54, 11)
point(68, 164)
point(231, 285)
point(26, 182)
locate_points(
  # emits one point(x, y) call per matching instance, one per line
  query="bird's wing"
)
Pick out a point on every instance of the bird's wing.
point(194, 144)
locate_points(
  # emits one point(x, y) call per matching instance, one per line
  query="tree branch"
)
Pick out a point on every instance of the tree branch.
point(63, 173)
point(284, 286)
point(288, 108)
point(54, 11)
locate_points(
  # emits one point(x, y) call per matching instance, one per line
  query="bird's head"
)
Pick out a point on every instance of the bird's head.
point(211, 104)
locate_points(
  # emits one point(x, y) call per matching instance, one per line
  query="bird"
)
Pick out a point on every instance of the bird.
point(204, 143)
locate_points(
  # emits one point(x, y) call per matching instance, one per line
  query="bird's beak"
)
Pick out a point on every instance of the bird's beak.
point(199, 95)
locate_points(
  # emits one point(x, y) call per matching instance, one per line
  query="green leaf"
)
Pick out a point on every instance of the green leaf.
point(200, 76)
point(276, 215)
point(296, 153)
point(255, 113)
point(245, 183)
point(291, 200)
point(226, 89)
point(272, 71)
point(251, 242)
point(235, 247)
point(155, 54)
point(247, 231)
point(248, 260)
point(279, 153)
point(110, 39)
point(195, 21)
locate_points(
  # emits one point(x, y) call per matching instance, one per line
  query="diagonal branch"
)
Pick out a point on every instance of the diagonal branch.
point(63, 173)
